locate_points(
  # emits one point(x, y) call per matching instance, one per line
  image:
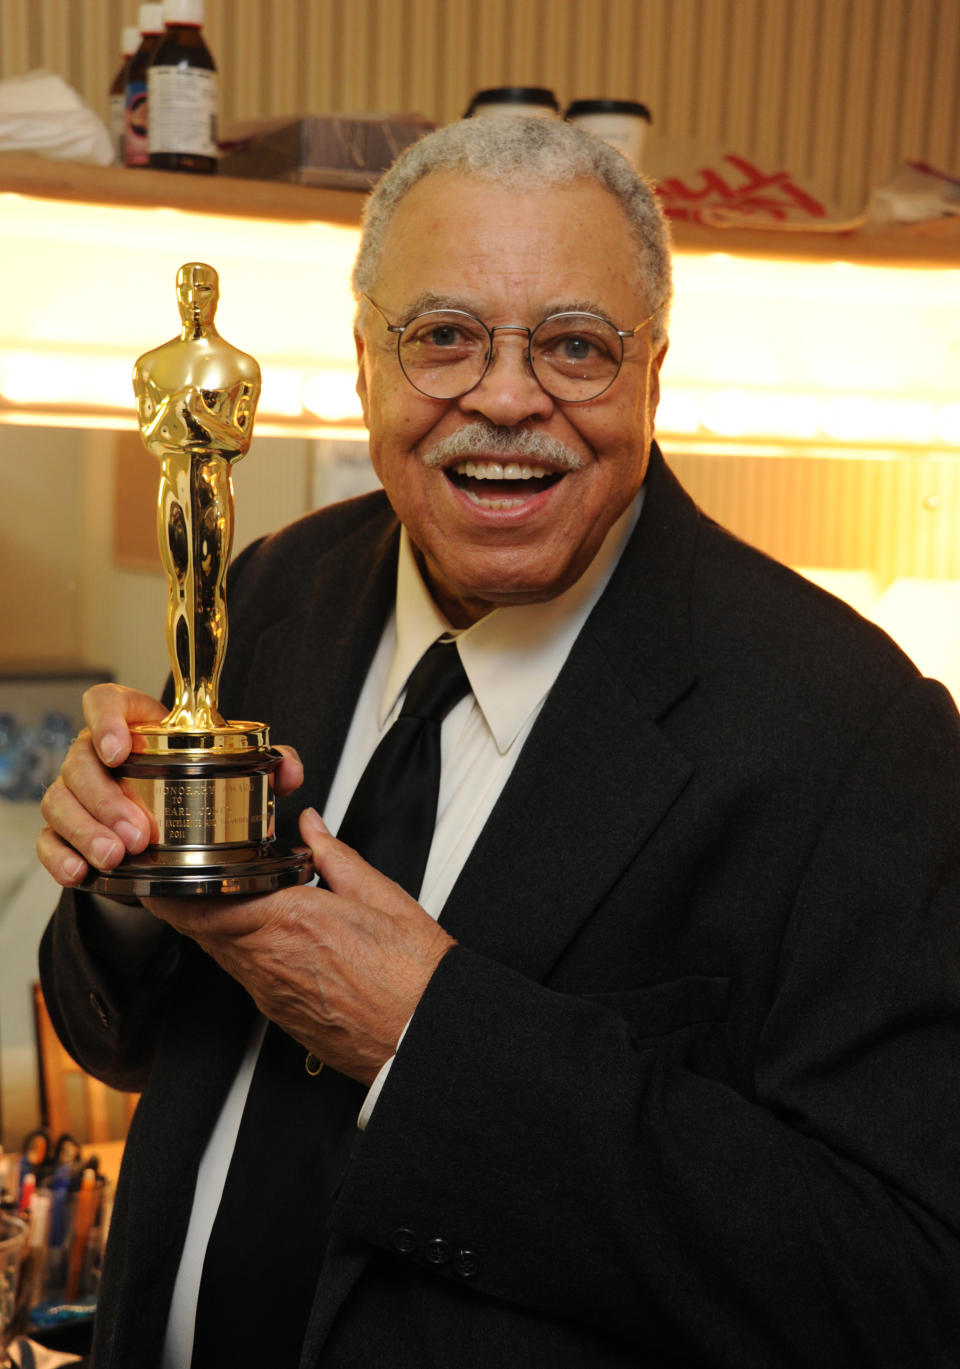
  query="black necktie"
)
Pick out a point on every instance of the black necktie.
point(267, 1243)
point(393, 811)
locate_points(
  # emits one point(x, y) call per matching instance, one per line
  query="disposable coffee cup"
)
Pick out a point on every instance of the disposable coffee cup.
point(507, 101)
point(621, 123)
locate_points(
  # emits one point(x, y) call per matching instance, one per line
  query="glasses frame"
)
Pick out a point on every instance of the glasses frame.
point(400, 328)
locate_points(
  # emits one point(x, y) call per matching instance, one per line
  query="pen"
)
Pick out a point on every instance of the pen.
point(27, 1189)
point(35, 1271)
point(59, 1187)
point(84, 1213)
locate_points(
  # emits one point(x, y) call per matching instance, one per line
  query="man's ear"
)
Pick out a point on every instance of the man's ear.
point(655, 375)
point(361, 372)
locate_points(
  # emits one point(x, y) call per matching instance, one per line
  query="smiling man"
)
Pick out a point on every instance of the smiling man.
point(510, 285)
point(637, 1041)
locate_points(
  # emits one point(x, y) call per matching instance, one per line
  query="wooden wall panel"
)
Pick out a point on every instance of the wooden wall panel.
point(892, 518)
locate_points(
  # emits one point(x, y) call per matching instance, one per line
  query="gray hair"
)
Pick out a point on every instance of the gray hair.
point(522, 153)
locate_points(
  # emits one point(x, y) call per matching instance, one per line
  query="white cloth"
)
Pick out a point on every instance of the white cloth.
point(42, 115)
point(512, 658)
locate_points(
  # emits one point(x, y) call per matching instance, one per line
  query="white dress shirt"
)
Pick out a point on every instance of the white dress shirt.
point(512, 658)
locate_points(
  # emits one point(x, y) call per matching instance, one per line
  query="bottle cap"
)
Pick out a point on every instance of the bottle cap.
point(131, 40)
point(183, 12)
point(151, 17)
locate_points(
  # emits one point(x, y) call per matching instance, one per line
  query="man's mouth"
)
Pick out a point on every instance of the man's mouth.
point(501, 485)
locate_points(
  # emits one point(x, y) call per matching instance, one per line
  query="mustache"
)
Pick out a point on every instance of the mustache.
point(489, 440)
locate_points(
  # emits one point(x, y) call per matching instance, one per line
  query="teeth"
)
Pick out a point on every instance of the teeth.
point(492, 470)
point(488, 502)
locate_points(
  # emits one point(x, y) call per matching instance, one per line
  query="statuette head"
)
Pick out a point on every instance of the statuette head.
point(198, 289)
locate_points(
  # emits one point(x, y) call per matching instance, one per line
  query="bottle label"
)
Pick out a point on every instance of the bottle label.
point(135, 149)
point(183, 110)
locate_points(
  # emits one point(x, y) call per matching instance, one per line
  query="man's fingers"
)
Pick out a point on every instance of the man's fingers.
point(86, 809)
point(212, 917)
point(109, 711)
point(86, 785)
point(345, 872)
point(312, 826)
point(67, 867)
point(101, 835)
point(290, 775)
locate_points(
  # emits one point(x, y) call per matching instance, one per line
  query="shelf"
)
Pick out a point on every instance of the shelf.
point(116, 185)
point(933, 245)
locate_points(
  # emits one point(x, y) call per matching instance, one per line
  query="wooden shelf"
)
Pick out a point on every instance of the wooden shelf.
point(933, 245)
point(117, 185)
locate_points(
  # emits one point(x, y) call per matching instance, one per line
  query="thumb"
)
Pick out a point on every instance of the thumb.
point(343, 870)
point(312, 826)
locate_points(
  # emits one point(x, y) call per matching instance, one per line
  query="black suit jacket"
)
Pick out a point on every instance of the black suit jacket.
point(687, 1091)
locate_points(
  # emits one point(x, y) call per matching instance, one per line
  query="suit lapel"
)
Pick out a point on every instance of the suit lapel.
point(570, 820)
point(597, 753)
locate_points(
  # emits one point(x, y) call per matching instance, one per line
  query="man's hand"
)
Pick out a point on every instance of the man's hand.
point(341, 968)
point(90, 820)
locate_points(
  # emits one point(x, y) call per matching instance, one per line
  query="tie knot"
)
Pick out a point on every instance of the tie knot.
point(438, 682)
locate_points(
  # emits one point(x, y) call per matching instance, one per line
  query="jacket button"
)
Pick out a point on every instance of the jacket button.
point(96, 1002)
point(403, 1241)
point(466, 1264)
point(437, 1251)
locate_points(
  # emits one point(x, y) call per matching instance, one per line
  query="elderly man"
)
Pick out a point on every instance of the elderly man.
point(654, 1058)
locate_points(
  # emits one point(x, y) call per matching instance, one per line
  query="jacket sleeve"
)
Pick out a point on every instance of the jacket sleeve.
point(575, 1169)
point(105, 1005)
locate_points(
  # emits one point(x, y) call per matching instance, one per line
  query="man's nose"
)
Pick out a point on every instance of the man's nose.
point(509, 391)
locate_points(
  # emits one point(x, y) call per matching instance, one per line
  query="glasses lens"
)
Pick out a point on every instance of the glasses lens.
point(575, 356)
point(443, 354)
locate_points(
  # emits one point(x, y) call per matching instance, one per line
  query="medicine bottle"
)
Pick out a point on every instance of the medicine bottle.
point(182, 89)
point(135, 149)
point(118, 91)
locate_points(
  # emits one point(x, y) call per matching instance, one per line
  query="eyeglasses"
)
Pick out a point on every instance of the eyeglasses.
point(575, 357)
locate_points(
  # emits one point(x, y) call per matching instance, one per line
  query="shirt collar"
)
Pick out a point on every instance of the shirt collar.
point(512, 656)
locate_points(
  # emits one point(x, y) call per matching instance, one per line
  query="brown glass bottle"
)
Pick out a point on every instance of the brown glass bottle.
point(118, 91)
point(135, 149)
point(182, 95)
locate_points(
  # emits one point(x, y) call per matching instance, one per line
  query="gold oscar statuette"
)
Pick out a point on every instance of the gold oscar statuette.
point(205, 783)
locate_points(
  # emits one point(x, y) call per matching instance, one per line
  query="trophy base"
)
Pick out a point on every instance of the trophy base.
point(209, 797)
point(226, 871)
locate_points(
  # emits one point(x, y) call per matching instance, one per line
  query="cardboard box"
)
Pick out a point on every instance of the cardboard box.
point(342, 151)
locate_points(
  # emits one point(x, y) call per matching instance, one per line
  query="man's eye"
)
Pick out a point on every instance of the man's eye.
point(576, 347)
point(443, 335)
point(442, 339)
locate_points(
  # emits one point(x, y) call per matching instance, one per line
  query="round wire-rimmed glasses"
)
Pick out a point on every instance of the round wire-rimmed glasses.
point(575, 357)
